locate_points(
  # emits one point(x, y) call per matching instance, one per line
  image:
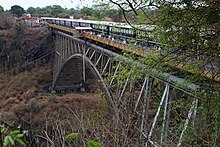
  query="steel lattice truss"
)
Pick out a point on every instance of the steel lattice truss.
point(159, 110)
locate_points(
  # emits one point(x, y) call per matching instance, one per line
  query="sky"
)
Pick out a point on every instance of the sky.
point(42, 3)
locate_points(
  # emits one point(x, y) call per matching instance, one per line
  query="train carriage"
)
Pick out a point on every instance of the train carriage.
point(105, 27)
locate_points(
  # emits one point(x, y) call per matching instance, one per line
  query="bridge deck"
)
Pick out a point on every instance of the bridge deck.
point(137, 50)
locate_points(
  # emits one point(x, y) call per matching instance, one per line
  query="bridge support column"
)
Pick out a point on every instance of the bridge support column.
point(84, 72)
point(164, 98)
point(146, 89)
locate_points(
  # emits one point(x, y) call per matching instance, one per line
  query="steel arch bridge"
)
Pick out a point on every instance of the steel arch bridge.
point(152, 101)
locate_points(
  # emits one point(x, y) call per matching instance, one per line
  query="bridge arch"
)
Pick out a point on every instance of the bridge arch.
point(89, 64)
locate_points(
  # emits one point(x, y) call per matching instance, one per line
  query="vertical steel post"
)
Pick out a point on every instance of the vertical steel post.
point(158, 111)
point(148, 94)
point(124, 88)
point(103, 71)
point(168, 118)
point(164, 115)
point(195, 111)
point(143, 117)
point(140, 95)
point(191, 111)
point(116, 70)
point(84, 67)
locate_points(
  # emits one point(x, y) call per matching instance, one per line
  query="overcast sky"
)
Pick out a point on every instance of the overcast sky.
point(42, 3)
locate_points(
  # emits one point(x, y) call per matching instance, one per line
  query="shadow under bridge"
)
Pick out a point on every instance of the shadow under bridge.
point(79, 64)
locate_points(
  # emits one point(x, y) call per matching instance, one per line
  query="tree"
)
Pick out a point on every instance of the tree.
point(56, 10)
point(18, 10)
point(6, 20)
point(180, 24)
point(1, 9)
point(115, 14)
point(31, 10)
point(44, 11)
point(48, 9)
point(189, 33)
point(72, 11)
point(66, 11)
point(97, 14)
point(86, 11)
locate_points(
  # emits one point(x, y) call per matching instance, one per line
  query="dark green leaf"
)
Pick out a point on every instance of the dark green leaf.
point(14, 132)
point(21, 141)
point(70, 136)
point(92, 143)
point(6, 141)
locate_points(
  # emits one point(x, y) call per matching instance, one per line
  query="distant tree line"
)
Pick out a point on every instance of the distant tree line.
point(95, 12)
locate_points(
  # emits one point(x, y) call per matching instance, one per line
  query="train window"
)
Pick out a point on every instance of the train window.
point(127, 31)
point(130, 31)
point(120, 30)
point(97, 26)
point(85, 24)
point(116, 30)
point(123, 30)
point(69, 23)
point(76, 24)
point(113, 29)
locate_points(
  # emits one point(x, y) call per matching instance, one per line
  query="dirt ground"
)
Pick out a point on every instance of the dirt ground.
point(22, 99)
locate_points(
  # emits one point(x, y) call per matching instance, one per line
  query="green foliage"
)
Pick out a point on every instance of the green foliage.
point(10, 137)
point(1, 9)
point(206, 129)
point(32, 11)
point(19, 27)
point(2, 128)
point(70, 136)
point(92, 143)
point(56, 10)
point(72, 11)
point(188, 31)
point(97, 12)
point(33, 106)
point(86, 11)
point(18, 10)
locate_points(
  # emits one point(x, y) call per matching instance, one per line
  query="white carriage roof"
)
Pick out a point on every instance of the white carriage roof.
point(107, 23)
point(83, 28)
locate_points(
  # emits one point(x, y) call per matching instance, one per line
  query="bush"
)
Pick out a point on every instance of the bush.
point(6, 21)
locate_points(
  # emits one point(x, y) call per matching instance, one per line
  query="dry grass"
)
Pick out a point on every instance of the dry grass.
point(22, 101)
